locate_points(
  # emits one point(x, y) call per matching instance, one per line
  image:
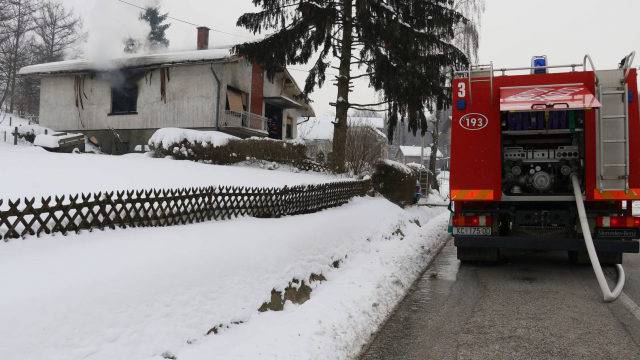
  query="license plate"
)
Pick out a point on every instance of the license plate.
point(472, 231)
point(618, 233)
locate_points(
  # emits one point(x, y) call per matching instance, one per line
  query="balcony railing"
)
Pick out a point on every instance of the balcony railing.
point(244, 119)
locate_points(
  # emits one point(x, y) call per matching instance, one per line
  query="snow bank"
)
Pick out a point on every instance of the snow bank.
point(139, 293)
point(36, 172)
point(167, 137)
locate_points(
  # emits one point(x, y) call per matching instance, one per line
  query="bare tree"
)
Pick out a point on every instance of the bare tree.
point(467, 34)
point(5, 16)
point(15, 51)
point(365, 146)
point(57, 30)
point(433, 157)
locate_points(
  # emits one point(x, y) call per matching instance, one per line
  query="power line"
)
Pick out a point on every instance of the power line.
point(184, 21)
point(170, 17)
point(212, 29)
point(231, 34)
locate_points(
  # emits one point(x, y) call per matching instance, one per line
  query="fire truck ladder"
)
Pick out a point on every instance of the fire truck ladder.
point(480, 73)
point(613, 128)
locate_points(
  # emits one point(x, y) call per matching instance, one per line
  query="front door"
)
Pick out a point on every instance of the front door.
point(274, 114)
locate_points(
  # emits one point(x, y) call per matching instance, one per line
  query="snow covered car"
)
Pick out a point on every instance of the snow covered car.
point(60, 142)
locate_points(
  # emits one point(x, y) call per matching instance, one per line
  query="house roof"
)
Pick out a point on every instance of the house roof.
point(131, 61)
point(416, 151)
point(321, 128)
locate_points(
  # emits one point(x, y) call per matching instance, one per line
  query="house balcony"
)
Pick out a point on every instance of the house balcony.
point(243, 124)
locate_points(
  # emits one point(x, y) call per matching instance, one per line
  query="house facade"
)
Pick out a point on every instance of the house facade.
point(120, 103)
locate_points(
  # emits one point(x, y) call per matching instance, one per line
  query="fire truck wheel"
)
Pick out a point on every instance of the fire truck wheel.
point(467, 254)
point(606, 258)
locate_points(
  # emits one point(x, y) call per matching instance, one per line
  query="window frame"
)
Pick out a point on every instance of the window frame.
point(131, 85)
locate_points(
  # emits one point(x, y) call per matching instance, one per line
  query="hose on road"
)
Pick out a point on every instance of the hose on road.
point(608, 294)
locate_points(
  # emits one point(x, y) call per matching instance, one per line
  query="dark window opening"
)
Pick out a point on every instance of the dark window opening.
point(124, 97)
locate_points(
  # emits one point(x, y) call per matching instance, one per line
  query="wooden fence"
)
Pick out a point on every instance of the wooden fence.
point(166, 207)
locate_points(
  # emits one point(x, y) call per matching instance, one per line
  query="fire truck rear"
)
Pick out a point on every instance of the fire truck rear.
point(519, 137)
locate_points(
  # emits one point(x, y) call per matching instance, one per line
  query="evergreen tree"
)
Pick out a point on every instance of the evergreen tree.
point(157, 38)
point(404, 46)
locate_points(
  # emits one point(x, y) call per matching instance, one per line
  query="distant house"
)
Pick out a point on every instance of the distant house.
point(413, 154)
point(317, 134)
point(120, 103)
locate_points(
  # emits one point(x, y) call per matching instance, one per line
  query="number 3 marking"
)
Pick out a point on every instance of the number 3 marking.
point(462, 89)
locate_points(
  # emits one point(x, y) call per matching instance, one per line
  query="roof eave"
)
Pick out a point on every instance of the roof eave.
point(229, 59)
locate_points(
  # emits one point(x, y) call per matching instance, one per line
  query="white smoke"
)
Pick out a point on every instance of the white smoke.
point(110, 23)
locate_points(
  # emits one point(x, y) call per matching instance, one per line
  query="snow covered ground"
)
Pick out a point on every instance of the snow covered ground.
point(40, 173)
point(8, 123)
point(142, 293)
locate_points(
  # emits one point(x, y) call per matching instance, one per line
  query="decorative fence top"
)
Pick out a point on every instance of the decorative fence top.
point(166, 207)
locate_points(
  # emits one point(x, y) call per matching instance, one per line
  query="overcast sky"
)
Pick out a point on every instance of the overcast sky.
point(512, 31)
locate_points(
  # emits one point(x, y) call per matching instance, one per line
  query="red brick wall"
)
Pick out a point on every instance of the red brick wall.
point(257, 89)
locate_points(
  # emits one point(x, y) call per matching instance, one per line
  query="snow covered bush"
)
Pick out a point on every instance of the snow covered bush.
point(169, 137)
point(271, 150)
point(395, 181)
point(213, 147)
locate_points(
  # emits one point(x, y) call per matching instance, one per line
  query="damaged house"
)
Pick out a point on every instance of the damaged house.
point(120, 103)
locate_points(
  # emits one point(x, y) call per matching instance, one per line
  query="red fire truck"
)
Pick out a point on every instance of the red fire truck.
point(518, 138)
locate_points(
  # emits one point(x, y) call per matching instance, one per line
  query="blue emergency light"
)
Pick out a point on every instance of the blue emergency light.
point(539, 64)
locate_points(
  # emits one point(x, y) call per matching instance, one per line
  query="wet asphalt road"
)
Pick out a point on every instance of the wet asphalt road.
point(534, 306)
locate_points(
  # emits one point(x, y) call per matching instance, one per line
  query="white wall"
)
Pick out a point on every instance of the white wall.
point(190, 92)
point(236, 74)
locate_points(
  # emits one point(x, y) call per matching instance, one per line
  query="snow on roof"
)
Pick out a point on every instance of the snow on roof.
point(321, 128)
point(131, 61)
point(416, 151)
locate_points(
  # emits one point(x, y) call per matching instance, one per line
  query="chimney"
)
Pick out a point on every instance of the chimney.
point(203, 38)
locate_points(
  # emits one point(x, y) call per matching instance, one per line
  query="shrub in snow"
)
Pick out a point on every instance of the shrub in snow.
point(167, 138)
point(395, 181)
point(215, 149)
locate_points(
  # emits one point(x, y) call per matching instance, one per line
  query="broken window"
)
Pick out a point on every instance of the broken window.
point(124, 96)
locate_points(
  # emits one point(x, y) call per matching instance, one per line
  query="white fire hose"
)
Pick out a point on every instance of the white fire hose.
point(608, 294)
